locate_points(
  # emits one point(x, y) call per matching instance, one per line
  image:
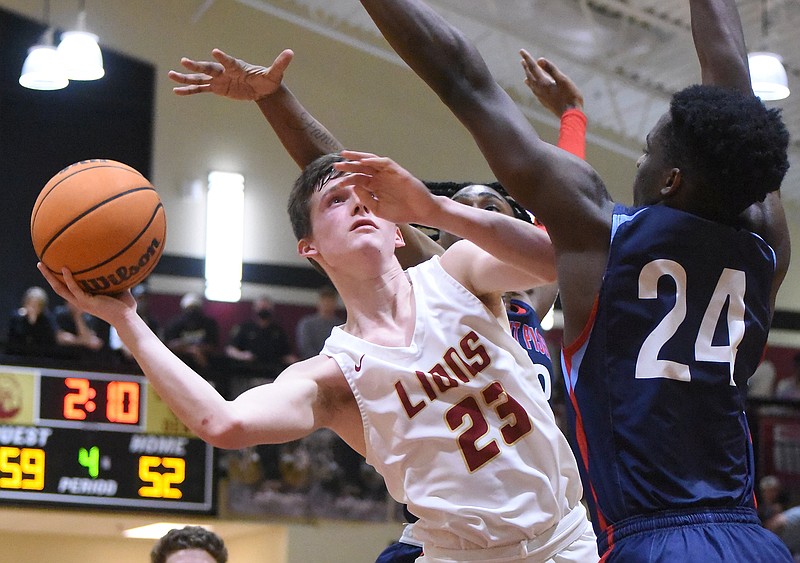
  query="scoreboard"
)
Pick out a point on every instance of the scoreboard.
point(97, 440)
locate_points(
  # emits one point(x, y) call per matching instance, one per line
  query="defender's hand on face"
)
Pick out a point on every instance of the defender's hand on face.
point(387, 189)
point(231, 77)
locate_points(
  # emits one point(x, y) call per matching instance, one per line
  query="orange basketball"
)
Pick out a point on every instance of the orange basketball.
point(104, 221)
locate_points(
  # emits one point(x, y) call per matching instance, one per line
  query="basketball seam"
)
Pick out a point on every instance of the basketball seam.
point(71, 174)
point(87, 212)
point(121, 252)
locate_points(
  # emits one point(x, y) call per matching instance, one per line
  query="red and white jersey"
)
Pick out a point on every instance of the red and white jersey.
point(456, 423)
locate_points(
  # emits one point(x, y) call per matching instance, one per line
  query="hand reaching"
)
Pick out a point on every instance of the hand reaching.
point(231, 77)
point(388, 190)
point(554, 89)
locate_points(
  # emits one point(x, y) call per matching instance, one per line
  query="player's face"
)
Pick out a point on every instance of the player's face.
point(342, 223)
point(652, 170)
point(482, 197)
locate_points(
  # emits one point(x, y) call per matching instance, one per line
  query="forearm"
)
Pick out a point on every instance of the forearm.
point(303, 137)
point(719, 42)
point(435, 50)
point(572, 132)
point(508, 239)
point(193, 400)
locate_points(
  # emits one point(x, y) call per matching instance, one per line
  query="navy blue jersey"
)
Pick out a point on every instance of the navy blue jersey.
point(657, 380)
point(527, 330)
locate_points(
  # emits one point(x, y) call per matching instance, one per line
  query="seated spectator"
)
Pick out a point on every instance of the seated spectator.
point(259, 347)
point(80, 331)
point(193, 336)
point(190, 544)
point(32, 329)
point(789, 387)
point(314, 329)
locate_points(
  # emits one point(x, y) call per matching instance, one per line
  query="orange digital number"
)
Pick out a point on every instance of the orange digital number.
point(82, 395)
point(161, 483)
point(117, 394)
point(24, 467)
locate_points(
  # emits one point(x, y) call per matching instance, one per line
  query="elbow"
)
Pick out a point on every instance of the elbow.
point(221, 432)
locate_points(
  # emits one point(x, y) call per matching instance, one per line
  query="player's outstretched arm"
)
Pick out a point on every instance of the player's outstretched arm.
point(285, 412)
point(719, 42)
point(303, 137)
point(515, 254)
point(554, 185)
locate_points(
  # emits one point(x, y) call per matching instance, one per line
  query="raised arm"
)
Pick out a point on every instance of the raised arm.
point(303, 137)
point(719, 42)
point(557, 187)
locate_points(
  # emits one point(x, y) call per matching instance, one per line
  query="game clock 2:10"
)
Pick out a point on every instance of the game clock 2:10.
point(90, 400)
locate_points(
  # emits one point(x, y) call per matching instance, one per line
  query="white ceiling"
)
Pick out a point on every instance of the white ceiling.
point(628, 56)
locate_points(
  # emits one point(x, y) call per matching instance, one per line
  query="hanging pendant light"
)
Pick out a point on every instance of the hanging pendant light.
point(42, 69)
point(79, 52)
point(768, 76)
point(767, 73)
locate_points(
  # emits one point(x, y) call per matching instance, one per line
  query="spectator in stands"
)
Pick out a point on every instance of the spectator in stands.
point(32, 329)
point(789, 387)
point(193, 336)
point(260, 346)
point(81, 331)
point(772, 500)
point(190, 544)
point(314, 329)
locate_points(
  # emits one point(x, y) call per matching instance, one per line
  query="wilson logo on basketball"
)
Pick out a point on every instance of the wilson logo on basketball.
point(123, 273)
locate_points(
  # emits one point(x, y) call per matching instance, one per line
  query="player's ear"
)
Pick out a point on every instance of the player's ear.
point(306, 248)
point(399, 241)
point(672, 183)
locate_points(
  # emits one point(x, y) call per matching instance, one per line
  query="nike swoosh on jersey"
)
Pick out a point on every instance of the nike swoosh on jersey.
point(358, 364)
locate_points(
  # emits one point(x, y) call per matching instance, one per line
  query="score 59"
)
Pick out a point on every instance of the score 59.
point(21, 468)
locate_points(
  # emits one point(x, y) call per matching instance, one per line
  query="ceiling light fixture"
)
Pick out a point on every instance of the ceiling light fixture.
point(42, 69)
point(767, 73)
point(79, 52)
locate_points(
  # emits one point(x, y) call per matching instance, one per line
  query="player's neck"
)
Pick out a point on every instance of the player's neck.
point(381, 310)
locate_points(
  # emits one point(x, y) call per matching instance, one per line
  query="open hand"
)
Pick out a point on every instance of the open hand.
point(231, 77)
point(554, 89)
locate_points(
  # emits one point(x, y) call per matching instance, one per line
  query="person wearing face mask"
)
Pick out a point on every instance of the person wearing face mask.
point(260, 347)
point(194, 336)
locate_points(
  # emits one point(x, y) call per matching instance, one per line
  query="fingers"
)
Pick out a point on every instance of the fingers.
point(282, 61)
point(58, 286)
point(357, 155)
point(550, 69)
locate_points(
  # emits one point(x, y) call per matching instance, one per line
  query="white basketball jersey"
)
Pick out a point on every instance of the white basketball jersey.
point(456, 425)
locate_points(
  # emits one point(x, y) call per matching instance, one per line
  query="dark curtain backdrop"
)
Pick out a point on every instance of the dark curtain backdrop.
point(43, 131)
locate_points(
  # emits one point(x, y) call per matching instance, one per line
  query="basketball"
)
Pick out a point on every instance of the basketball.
point(102, 220)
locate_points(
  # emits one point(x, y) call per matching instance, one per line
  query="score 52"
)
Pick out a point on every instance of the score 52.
point(161, 484)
